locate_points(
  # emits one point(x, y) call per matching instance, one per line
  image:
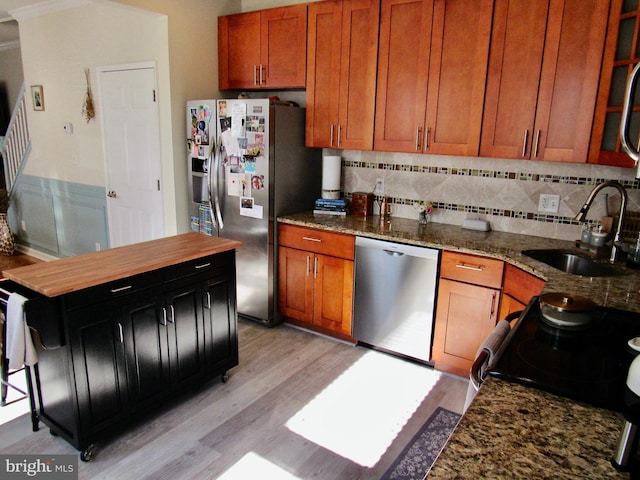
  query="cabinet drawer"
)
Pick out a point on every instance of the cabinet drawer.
point(199, 265)
point(111, 290)
point(317, 241)
point(472, 269)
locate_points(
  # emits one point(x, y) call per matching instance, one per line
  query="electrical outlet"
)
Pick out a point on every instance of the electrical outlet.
point(379, 188)
point(549, 203)
point(23, 226)
point(97, 246)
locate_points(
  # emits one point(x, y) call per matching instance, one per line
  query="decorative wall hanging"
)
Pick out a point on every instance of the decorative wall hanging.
point(37, 97)
point(88, 111)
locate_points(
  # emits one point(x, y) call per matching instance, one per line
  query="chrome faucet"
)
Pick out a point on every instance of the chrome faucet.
point(582, 214)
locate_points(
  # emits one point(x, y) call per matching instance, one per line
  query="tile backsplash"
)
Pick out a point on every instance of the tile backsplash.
point(504, 192)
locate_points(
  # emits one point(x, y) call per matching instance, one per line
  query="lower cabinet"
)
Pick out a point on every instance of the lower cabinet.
point(315, 279)
point(133, 344)
point(517, 289)
point(467, 309)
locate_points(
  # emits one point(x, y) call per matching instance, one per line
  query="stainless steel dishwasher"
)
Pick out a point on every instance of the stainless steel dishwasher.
point(395, 289)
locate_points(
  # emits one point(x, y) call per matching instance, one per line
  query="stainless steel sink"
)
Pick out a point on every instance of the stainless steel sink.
point(572, 262)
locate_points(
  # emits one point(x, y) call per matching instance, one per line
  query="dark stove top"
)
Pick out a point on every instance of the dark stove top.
point(588, 364)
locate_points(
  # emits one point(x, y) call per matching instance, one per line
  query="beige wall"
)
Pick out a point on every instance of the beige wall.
point(179, 37)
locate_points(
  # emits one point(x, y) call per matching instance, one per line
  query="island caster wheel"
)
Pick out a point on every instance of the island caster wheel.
point(88, 453)
point(224, 377)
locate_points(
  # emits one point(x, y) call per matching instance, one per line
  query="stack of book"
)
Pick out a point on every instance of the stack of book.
point(327, 206)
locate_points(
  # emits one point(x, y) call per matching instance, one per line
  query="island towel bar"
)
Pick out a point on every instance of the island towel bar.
point(5, 373)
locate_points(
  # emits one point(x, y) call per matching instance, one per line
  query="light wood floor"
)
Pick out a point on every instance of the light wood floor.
point(220, 430)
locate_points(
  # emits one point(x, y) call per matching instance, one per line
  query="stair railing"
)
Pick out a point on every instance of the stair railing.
point(16, 145)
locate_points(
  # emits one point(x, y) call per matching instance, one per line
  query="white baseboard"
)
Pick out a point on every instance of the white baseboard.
point(35, 253)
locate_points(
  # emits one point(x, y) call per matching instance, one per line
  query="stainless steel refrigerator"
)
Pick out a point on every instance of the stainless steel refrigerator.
point(248, 165)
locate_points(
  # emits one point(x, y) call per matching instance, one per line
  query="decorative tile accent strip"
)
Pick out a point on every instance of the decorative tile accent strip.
point(523, 176)
point(496, 212)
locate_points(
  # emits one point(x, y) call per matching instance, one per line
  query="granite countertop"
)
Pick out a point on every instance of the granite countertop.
point(620, 292)
point(516, 432)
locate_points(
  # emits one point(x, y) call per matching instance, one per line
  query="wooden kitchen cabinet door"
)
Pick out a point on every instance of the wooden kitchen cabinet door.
point(620, 56)
point(569, 80)
point(263, 49)
point(513, 80)
point(238, 52)
point(431, 76)
point(341, 73)
point(403, 72)
point(333, 294)
point(457, 77)
point(283, 47)
point(295, 284)
point(544, 70)
point(465, 315)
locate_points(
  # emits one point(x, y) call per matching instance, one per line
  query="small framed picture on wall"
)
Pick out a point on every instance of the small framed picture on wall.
point(37, 97)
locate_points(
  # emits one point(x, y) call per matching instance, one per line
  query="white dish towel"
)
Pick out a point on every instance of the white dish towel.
point(20, 349)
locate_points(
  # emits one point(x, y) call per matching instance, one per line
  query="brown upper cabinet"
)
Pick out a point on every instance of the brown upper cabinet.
point(544, 69)
point(263, 49)
point(341, 73)
point(621, 55)
point(432, 69)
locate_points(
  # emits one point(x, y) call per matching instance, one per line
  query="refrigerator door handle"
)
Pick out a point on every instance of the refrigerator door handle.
point(208, 179)
point(216, 184)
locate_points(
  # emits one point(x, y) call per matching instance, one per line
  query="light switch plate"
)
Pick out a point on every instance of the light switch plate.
point(548, 203)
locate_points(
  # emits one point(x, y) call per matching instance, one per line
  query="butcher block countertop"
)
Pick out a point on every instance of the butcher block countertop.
point(71, 274)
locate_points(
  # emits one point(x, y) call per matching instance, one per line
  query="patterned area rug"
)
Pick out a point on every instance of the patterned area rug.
point(416, 459)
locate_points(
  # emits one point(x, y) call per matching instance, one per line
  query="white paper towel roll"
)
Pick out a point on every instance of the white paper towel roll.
point(331, 165)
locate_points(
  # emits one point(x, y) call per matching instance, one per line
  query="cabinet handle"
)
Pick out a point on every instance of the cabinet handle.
point(261, 74)
point(255, 74)
point(418, 132)
point(339, 132)
point(315, 267)
point(308, 261)
point(493, 305)
point(208, 302)
point(426, 139)
point(535, 148)
point(120, 332)
point(331, 136)
point(312, 239)
point(121, 289)
point(164, 316)
point(172, 317)
point(204, 265)
point(469, 267)
point(524, 142)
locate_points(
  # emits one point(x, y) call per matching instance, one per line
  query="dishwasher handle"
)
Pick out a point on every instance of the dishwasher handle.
point(393, 253)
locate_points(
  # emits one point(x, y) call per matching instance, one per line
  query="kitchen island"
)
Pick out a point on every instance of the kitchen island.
point(121, 331)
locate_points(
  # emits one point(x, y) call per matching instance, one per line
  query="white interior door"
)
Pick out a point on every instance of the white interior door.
point(132, 154)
